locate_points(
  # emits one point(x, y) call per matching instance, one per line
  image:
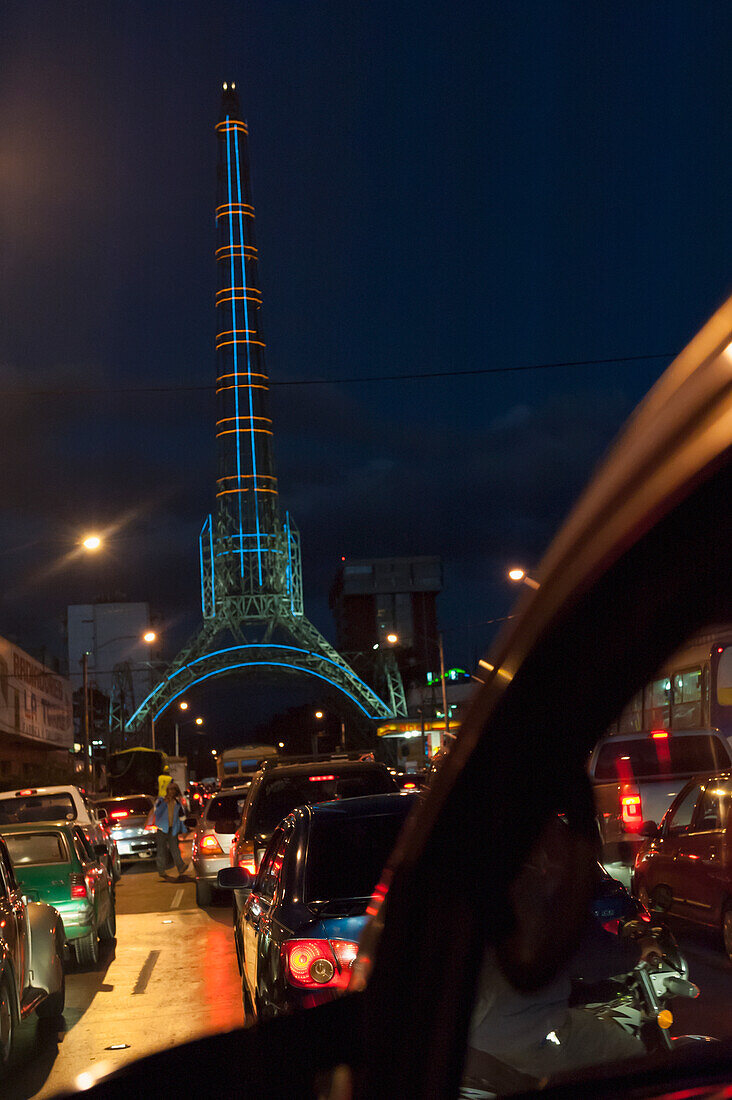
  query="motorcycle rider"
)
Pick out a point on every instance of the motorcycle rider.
point(518, 1037)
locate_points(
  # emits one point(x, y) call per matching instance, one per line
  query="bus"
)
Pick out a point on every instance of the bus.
point(693, 690)
point(238, 765)
point(135, 771)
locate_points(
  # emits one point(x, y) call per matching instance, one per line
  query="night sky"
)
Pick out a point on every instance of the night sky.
point(438, 187)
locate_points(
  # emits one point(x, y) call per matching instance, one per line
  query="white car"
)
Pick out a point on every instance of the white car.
point(63, 803)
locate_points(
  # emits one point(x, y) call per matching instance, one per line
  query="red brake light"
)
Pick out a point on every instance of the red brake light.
point(248, 864)
point(659, 735)
point(409, 786)
point(78, 886)
point(319, 778)
point(30, 790)
point(612, 926)
point(210, 845)
point(318, 964)
point(630, 804)
point(120, 813)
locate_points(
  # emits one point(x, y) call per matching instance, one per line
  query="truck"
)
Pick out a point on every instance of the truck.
point(179, 771)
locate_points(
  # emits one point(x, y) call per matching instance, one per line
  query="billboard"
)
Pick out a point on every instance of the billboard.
point(35, 703)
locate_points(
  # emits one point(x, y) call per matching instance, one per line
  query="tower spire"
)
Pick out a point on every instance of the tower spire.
point(246, 486)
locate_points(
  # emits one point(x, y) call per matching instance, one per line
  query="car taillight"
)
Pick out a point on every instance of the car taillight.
point(318, 964)
point(120, 813)
point(78, 886)
point(248, 864)
point(210, 846)
point(631, 809)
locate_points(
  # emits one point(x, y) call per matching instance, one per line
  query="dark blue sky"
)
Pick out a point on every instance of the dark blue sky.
point(437, 186)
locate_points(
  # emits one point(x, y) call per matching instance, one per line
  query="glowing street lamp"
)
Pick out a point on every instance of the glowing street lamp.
point(392, 638)
point(149, 637)
point(92, 542)
point(318, 714)
point(520, 576)
point(183, 705)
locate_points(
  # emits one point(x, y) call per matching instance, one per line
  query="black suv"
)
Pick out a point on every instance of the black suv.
point(277, 789)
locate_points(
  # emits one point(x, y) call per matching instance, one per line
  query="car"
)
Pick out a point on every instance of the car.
point(278, 788)
point(685, 865)
point(54, 863)
point(32, 945)
point(635, 777)
point(125, 817)
point(640, 565)
point(66, 803)
point(297, 934)
point(213, 838)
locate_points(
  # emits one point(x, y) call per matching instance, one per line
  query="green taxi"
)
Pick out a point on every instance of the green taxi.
point(56, 863)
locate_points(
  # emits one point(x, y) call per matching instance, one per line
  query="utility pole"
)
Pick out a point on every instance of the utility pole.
point(152, 732)
point(85, 712)
point(444, 693)
point(177, 753)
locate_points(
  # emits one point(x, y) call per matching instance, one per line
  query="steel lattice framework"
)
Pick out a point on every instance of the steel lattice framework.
point(251, 574)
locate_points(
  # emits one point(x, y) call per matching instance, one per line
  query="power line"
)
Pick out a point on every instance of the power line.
point(412, 377)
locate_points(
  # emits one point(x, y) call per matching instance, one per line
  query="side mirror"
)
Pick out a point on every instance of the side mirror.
point(100, 849)
point(649, 829)
point(190, 822)
point(234, 878)
point(101, 813)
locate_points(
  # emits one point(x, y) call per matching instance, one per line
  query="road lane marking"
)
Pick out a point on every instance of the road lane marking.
point(177, 898)
point(144, 976)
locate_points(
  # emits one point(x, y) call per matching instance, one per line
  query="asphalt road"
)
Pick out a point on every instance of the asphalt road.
point(171, 976)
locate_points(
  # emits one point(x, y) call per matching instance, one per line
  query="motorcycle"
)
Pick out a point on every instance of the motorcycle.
point(636, 1001)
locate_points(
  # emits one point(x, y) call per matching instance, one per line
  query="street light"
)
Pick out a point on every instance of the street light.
point(520, 576)
point(183, 705)
point(392, 638)
point(180, 725)
point(92, 542)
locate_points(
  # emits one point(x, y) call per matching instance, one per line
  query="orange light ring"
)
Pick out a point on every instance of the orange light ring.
point(233, 331)
point(247, 385)
point(235, 213)
point(231, 247)
point(243, 374)
point(228, 419)
point(227, 492)
point(226, 343)
point(234, 206)
point(238, 431)
point(226, 289)
point(232, 124)
point(240, 477)
point(239, 298)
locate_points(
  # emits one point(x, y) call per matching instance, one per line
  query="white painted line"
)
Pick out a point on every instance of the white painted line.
point(177, 898)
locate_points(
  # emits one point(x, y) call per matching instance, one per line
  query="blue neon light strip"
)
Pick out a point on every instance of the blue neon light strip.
point(289, 561)
point(234, 649)
point(264, 664)
point(213, 572)
point(233, 325)
point(249, 366)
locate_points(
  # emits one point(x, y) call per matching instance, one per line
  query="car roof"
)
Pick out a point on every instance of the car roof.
point(64, 789)
point(365, 806)
point(36, 826)
point(226, 791)
point(322, 767)
point(643, 735)
point(120, 798)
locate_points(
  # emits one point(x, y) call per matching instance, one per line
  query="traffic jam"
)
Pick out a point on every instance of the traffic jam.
point(294, 849)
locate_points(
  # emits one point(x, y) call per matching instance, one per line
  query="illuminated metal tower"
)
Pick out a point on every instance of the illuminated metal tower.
point(251, 576)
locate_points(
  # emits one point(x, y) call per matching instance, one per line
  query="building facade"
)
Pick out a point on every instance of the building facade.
point(372, 598)
point(36, 721)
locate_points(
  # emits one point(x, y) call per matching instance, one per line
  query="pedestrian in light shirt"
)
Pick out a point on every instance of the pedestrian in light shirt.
point(167, 815)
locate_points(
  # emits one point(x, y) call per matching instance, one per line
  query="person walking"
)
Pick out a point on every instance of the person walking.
point(167, 814)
